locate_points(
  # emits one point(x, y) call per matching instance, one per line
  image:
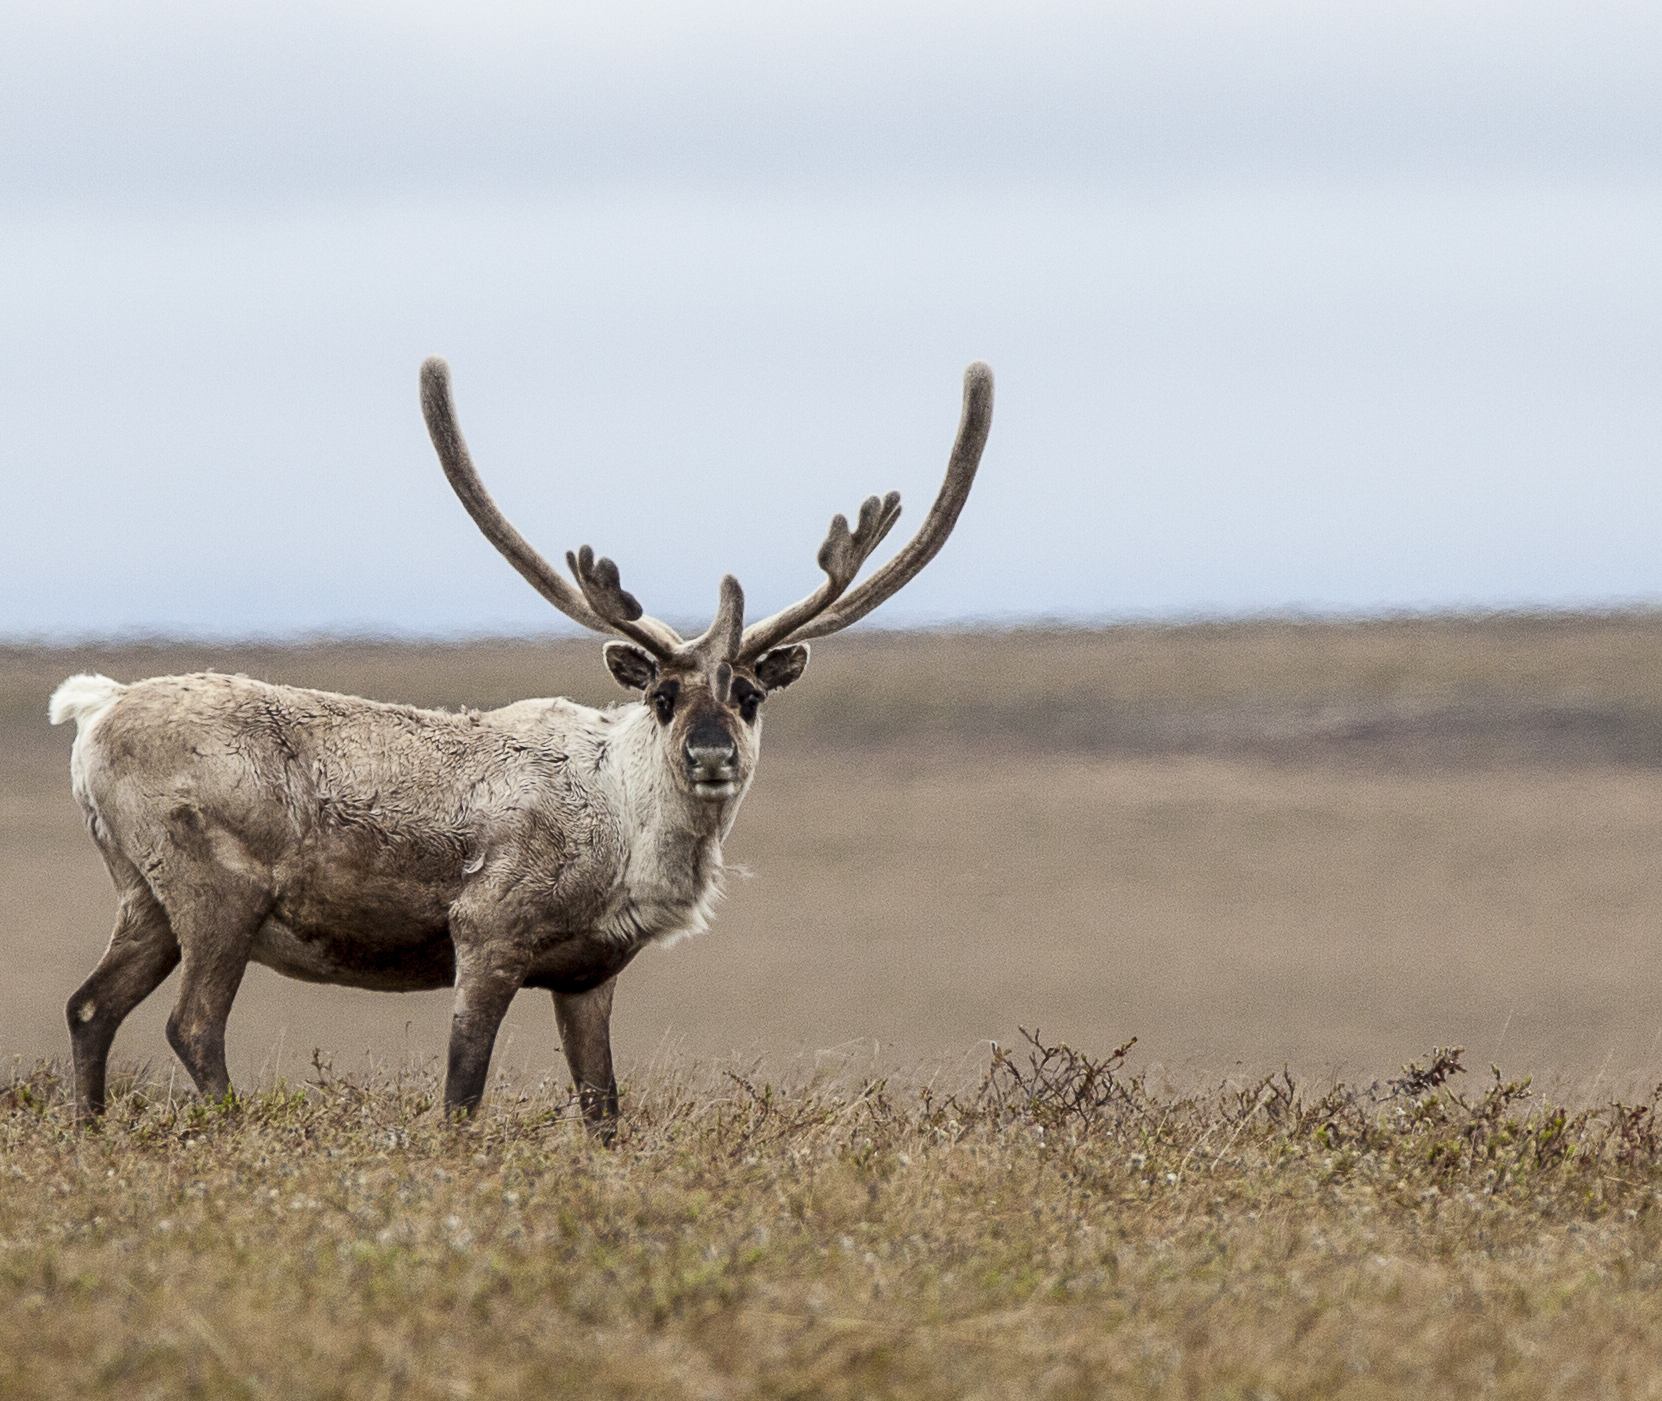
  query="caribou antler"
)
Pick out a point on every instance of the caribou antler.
point(602, 606)
point(598, 578)
point(844, 552)
point(841, 556)
point(618, 609)
point(601, 603)
point(720, 641)
point(439, 410)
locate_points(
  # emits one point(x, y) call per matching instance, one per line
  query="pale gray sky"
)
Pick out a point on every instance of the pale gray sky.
point(1338, 306)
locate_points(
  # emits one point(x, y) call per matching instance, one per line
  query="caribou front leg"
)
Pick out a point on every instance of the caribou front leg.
point(489, 971)
point(585, 1023)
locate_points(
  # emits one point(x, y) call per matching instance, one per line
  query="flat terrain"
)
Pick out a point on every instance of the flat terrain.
point(1057, 1232)
point(1330, 845)
point(1326, 846)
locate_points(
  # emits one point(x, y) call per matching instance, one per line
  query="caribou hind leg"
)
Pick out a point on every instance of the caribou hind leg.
point(141, 954)
point(215, 922)
point(585, 1023)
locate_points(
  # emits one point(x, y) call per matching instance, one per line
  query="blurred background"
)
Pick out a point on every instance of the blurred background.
point(1293, 306)
point(1298, 311)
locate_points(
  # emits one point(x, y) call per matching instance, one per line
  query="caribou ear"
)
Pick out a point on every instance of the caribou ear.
point(631, 667)
point(778, 668)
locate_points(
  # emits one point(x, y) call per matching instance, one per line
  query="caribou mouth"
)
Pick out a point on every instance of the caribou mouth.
point(716, 790)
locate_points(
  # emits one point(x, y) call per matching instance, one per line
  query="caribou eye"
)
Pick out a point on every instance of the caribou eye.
point(750, 701)
point(663, 703)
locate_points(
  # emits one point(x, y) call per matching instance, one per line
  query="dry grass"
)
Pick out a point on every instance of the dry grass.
point(1060, 1231)
point(1311, 843)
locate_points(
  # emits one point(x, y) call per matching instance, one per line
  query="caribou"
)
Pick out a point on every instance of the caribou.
point(540, 845)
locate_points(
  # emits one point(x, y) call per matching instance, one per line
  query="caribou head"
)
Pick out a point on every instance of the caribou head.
point(706, 692)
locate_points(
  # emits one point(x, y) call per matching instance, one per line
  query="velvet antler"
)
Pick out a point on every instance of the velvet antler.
point(841, 556)
point(720, 641)
point(601, 603)
point(617, 608)
point(439, 410)
point(844, 551)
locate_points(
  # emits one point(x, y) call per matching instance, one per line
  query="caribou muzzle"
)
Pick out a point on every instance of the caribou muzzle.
point(712, 760)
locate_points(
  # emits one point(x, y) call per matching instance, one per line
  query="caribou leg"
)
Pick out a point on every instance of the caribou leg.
point(215, 931)
point(585, 1023)
point(141, 954)
point(487, 978)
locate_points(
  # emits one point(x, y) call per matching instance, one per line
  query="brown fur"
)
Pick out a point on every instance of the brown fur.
point(346, 841)
point(541, 845)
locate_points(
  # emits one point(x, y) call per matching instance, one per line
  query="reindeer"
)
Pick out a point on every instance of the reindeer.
point(545, 844)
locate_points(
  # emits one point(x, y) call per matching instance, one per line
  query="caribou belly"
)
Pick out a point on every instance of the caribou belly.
point(427, 961)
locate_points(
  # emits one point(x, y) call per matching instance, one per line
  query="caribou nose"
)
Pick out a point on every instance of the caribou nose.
point(713, 760)
point(713, 769)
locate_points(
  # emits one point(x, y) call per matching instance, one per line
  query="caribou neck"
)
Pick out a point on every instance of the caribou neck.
point(674, 846)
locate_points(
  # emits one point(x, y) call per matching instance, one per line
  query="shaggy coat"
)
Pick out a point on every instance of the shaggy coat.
point(346, 841)
point(378, 846)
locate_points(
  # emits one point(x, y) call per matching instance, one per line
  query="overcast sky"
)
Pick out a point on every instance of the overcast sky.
point(1349, 306)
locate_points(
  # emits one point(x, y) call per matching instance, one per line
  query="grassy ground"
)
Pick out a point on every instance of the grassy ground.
point(1059, 1231)
point(1319, 843)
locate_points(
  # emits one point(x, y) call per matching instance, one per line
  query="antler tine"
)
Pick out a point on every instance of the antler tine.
point(973, 427)
point(439, 410)
point(619, 609)
point(841, 556)
point(721, 640)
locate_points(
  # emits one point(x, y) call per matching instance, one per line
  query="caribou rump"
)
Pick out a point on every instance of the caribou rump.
point(544, 844)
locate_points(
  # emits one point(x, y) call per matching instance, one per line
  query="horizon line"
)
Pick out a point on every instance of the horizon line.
point(1292, 616)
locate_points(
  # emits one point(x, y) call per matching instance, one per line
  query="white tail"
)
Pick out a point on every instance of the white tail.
point(81, 698)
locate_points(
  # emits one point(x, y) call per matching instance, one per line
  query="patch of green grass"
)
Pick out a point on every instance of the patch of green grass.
point(1059, 1231)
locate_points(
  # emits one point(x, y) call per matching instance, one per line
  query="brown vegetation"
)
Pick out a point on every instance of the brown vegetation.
point(1249, 845)
point(1061, 1231)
